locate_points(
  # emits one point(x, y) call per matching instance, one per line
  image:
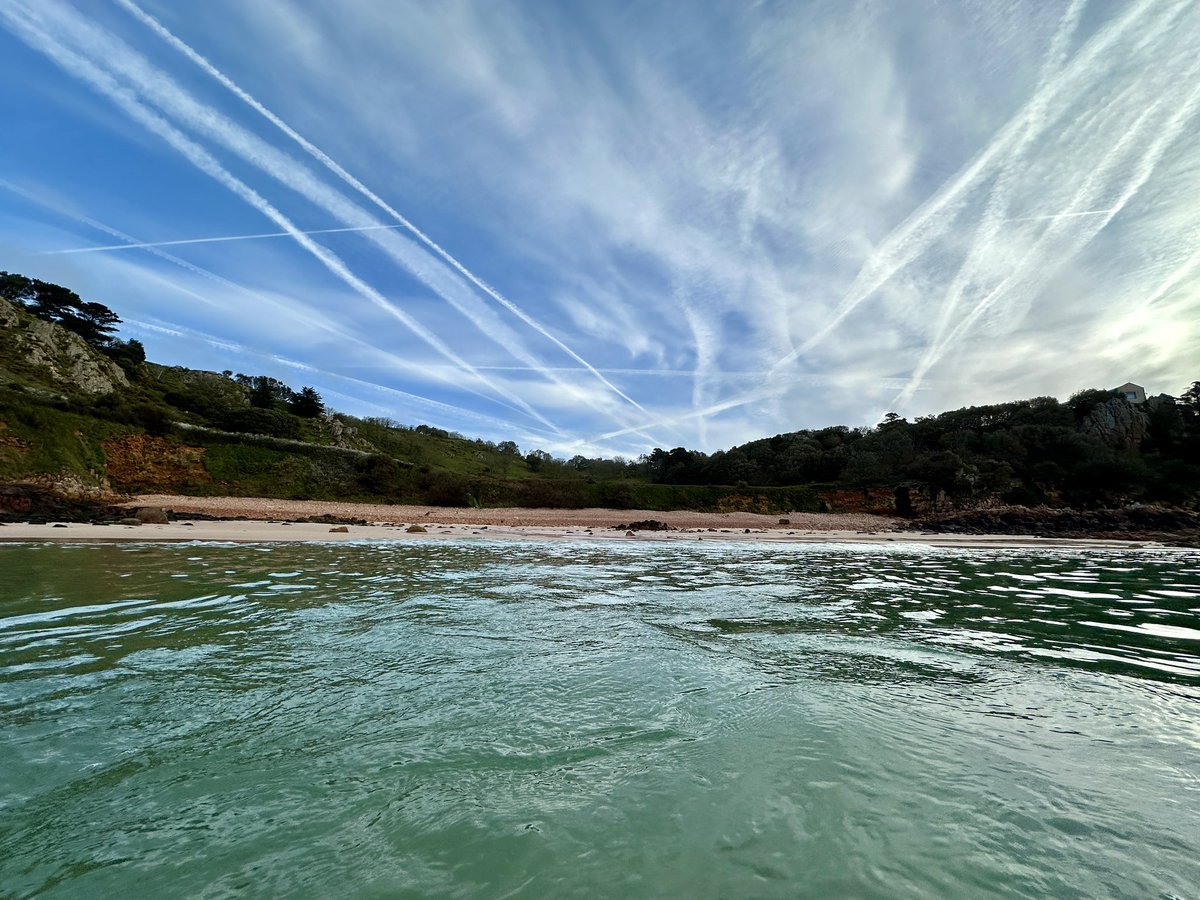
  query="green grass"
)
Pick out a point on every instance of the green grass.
point(64, 431)
point(57, 440)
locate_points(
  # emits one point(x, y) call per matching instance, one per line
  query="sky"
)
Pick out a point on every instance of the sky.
point(605, 227)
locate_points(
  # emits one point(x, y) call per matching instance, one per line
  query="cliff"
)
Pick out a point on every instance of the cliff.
point(50, 353)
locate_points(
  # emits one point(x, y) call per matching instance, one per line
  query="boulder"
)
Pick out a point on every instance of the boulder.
point(151, 515)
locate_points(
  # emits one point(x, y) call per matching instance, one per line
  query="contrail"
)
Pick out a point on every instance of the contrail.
point(297, 310)
point(156, 87)
point(242, 350)
point(1165, 134)
point(1066, 215)
point(1171, 281)
point(314, 151)
point(214, 240)
point(203, 160)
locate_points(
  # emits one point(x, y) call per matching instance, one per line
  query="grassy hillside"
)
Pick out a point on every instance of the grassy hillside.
point(140, 442)
point(147, 427)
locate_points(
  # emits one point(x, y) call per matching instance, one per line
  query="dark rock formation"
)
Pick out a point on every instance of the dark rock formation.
point(645, 525)
point(326, 519)
point(1117, 423)
point(33, 503)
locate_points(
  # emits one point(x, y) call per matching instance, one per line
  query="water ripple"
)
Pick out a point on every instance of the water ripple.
point(565, 720)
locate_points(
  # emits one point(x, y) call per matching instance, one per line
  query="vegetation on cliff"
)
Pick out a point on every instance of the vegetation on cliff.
point(82, 409)
point(1096, 449)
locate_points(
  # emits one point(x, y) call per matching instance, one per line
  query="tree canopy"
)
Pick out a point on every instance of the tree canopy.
point(94, 322)
point(307, 404)
point(1029, 451)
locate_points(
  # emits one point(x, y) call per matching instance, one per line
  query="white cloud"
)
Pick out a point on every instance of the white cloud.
point(885, 196)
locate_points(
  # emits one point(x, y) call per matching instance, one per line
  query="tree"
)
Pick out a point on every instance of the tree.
point(307, 404)
point(94, 322)
point(1191, 397)
point(265, 392)
point(261, 395)
point(535, 459)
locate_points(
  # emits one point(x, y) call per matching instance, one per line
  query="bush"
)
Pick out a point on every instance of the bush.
point(129, 355)
point(155, 419)
point(380, 475)
point(253, 420)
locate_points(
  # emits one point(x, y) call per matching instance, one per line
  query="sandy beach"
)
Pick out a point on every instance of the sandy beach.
point(266, 520)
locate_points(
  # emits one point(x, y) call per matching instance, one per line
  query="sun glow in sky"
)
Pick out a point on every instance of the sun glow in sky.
point(608, 226)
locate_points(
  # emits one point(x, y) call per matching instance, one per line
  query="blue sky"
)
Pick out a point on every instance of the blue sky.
point(608, 226)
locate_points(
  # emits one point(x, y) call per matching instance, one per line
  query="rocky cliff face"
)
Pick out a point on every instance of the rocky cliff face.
point(1117, 423)
point(65, 358)
point(8, 314)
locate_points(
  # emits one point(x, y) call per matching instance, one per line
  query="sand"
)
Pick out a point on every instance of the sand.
point(263, 508)
point(269, 520)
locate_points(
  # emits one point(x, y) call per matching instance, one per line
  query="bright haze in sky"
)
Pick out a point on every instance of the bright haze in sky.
point(601, 227)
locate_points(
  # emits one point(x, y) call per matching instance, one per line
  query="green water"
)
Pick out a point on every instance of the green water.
point(603, 720)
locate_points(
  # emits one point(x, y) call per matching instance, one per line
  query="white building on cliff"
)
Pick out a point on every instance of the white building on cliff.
point(1134, 393)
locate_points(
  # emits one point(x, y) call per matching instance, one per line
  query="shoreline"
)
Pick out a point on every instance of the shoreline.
point(277, 532)
point(253, 520)
point(252, 532)
point(186, 531)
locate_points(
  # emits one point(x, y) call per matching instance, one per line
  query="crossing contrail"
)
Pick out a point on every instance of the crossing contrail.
point(995, 214)
point(27, 29)
point(332, 166)
point(126, 69)
point(929, 223)
point(317, 322)
point(212, 240)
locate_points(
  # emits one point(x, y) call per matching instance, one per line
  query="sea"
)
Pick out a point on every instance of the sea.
point(503, 719)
